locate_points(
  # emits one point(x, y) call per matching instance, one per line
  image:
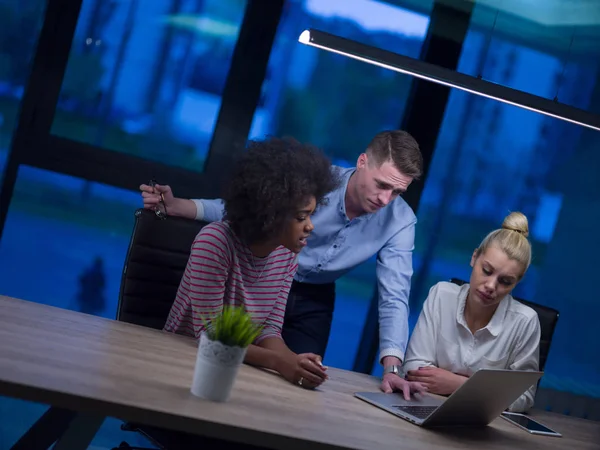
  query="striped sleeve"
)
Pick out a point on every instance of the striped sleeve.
point(202, 287)
point(274, 322)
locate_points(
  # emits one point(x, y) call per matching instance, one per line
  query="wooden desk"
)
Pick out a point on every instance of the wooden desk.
point(107, 368)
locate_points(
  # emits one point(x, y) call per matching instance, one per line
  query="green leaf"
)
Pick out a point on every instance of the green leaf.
point(233, 327)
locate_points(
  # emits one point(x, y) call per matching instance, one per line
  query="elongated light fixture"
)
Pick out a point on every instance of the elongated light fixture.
point(447, 77)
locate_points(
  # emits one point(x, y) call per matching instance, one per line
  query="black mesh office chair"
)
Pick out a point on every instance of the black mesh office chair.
point(156, 259)
point(548, 318)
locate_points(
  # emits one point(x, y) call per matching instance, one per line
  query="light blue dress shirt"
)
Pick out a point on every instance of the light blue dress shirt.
point(338, 244)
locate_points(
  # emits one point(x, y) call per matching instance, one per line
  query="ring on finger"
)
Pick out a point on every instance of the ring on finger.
point(300, 381)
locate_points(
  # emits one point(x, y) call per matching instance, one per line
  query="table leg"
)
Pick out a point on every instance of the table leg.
point(46, 430)
point(80, 433)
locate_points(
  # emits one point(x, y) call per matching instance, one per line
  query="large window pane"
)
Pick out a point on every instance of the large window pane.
point(552, 63)
point(20, 24)
point(557, 40)
point(491, 159)
point(339, 104)
point(64, 244)
point(65, 241)
point(146, 77)
point(330, 100)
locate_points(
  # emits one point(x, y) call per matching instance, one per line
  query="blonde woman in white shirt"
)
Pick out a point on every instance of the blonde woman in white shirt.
point(479, 325)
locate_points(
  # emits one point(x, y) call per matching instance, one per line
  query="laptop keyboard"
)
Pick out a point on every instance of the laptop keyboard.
point(422, 412)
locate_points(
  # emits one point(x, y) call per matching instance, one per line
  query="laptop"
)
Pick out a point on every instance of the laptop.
point(486, 394)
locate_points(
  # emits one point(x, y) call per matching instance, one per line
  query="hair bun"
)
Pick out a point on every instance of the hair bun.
point(516, 221)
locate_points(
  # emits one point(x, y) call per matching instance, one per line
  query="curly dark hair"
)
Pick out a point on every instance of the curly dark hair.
point(270, 182)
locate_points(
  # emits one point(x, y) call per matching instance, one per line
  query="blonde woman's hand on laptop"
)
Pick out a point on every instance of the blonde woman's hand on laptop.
point(394, 383)
point(436, 380)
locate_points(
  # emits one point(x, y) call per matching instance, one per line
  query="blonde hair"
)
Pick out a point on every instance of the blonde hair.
point(511, 239)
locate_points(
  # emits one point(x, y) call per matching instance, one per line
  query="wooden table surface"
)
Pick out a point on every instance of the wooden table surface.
point(91, 364)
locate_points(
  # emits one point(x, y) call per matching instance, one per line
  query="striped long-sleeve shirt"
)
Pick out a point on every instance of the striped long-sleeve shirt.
point(221, 270)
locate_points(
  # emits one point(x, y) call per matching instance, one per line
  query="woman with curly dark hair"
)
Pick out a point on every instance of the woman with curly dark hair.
point(250, 258)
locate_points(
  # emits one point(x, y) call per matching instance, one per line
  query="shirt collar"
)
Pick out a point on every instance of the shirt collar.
point(495, 324)
point(341, 204)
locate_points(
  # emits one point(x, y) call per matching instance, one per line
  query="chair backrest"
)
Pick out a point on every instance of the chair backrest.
point(548, 318)
point(156, 259)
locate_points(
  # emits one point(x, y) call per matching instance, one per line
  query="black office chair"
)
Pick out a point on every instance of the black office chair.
point(548, 318)
point(158, 253)
point(156, 259)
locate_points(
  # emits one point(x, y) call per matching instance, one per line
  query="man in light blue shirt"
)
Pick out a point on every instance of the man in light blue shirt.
point(365, 216)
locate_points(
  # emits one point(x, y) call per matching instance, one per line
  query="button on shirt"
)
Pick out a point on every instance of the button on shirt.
point(339, 244)
point(442, 338)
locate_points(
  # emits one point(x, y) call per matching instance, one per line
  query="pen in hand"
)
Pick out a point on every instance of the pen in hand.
point(159, 213)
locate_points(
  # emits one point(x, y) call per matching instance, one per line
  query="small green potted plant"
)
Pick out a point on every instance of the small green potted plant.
point(221, 351)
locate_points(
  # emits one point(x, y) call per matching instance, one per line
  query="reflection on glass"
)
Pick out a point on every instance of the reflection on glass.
point(532, 53)
point(493, 158)
point(146, 77)
point(65, 241)
point(20, 24)
point(339, 104)
point(330, 100)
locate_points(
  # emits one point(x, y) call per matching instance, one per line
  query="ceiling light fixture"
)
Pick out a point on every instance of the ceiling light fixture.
point(447, 77)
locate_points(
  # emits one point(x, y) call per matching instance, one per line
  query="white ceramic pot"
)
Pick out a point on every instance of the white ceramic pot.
point(217, 366)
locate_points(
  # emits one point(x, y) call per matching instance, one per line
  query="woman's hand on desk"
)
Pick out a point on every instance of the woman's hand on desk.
point(304, 369)
point(436, 380)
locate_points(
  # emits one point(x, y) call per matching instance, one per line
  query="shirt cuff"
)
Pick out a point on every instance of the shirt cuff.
point(199, 209)
point(391, 352)
point(518, 406)
point(266, 335)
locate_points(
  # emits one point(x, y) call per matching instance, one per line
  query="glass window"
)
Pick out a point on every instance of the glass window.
point(64, 244)
point(68, 235)
point(20, 25)
point(531, 49)
point(493, 158)
point(339, 104)
point(330, 100)
point(146, 78)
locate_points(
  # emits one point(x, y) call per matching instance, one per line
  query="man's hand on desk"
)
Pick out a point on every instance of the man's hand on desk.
point(436, 380)
point(304, 369)
point(392, 382)
point(395, 383)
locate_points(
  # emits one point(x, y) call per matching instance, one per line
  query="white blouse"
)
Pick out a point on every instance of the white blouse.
point(442, 338)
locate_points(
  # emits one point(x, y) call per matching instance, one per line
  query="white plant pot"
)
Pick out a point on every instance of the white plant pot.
point(217, 366)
